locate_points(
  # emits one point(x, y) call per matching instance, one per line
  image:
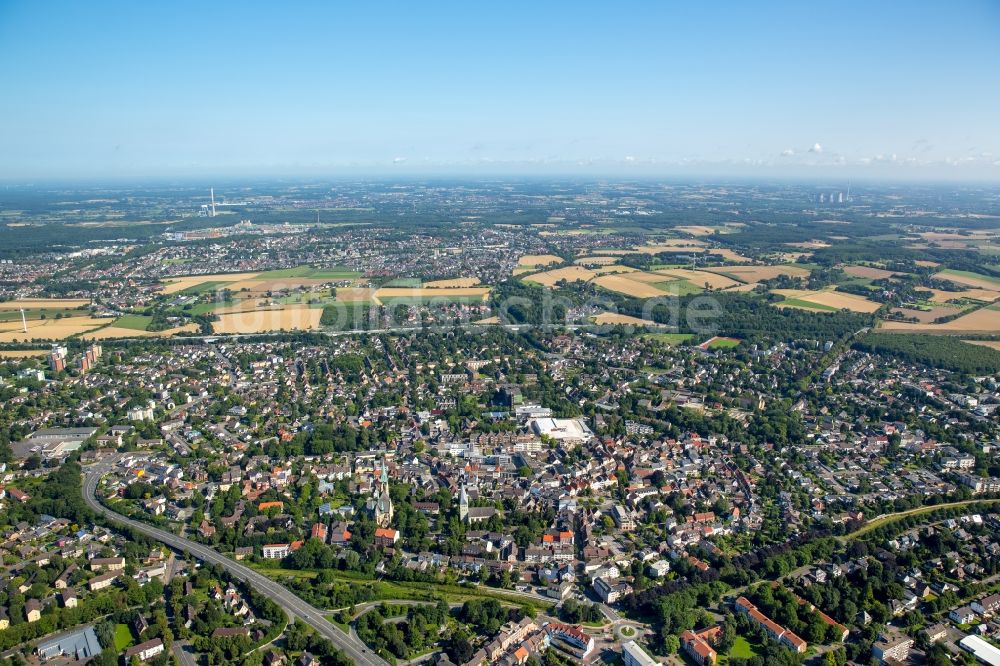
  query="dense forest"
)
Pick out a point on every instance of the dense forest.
point(938, 351)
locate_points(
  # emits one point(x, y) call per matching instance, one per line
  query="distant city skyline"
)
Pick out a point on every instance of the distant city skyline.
point(831, 90)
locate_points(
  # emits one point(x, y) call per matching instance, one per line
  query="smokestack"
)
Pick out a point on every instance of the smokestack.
point(212, 190)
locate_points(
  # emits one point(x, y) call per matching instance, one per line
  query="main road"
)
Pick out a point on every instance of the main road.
point(294, 606)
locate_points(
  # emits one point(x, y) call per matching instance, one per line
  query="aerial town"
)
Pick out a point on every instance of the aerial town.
point(315, 440)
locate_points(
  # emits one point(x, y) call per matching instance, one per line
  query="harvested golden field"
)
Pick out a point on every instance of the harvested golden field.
point(793, 293)
point(454, 282)
point(652, 278)
point(624, 285)
point(940, 296)
point(244, 305)
point(522, 270)
point(835, 300)
point(532, 260)
point(355, 294)
point(700, 278)
point(570, 274)
point(926, 316)
point(969, 280)
point(696, 230)
point(992, 344)
point(118, 332)
point(984, 320)
point(842, 301)
point(869, 272)
point(50, 329)
point(742, 288)
point(729, 255)
point(599, 260)
point(488, 320)
point(43, 303)
point(615, 318)
point(759, 273)
point(926, 263)
point(23, 353)
point(175, 284)
point(614, 268)
point(288, 318)
point(422, 292)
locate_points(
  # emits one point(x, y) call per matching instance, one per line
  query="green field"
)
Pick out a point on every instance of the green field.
point(806, 305)
point(38, 313)
point(333, 273)
point(386, 590)
point(668, 338)
point(205, 287)
point(123, 637)
point(404, 282)
point(203, 308)
point(678, 287)
point(969, 274)
point(133, 321)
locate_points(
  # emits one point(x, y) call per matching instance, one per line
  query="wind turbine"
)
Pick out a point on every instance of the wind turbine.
point(24, 322)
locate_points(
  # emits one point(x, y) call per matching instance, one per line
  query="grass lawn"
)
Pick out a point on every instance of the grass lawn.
point(133, 321)
point(741, 649)
point(668, 338)
point(346, 628)
point(123, 637)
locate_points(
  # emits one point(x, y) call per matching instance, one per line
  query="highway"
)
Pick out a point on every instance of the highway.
point(295, 607)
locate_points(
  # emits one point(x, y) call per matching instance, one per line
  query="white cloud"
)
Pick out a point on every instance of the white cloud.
point(787, 152)
point(630, 158)
point(816, 148)
point(397, 160)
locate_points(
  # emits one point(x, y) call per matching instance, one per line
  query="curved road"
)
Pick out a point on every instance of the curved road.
point(292, 604)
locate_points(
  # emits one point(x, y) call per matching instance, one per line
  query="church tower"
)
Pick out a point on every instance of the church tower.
point(463, 505)
point(383, 503)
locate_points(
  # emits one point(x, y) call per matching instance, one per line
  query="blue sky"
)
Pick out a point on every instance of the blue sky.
point(884, 89)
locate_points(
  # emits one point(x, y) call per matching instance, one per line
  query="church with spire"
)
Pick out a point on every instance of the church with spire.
point(379, 506)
